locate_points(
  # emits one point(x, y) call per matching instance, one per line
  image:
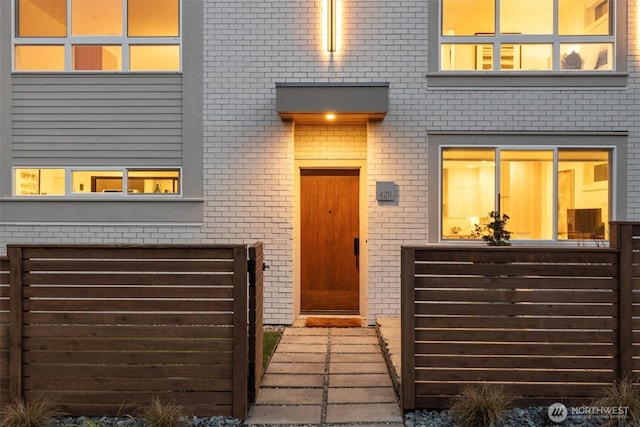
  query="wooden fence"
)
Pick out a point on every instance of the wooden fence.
point(96, 328)
point(4, 330)
point(543, 323)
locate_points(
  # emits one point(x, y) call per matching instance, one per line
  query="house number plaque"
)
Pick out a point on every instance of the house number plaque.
point(385, 191)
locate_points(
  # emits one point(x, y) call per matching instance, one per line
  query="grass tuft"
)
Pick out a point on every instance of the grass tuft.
point(480, 406)
point(34, 413)
point(622, 394)
point(162, 414)
point(271, 338)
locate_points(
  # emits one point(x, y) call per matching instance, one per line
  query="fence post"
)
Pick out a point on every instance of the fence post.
point(624, 242)
point(15, 323)
point(256, 319)
point(240, 346)
point(408, 330)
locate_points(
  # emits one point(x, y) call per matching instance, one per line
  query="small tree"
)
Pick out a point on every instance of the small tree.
point(494, 232)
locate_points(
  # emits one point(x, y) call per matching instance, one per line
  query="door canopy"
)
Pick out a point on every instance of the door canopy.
point(332, 102)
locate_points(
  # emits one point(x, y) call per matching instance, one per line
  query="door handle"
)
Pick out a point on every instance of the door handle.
point(356, 251)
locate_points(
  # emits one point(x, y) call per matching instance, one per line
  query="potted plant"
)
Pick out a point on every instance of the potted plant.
point(494, 232)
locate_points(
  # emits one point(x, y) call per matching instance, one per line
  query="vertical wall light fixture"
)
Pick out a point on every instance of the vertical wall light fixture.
point(332, 25)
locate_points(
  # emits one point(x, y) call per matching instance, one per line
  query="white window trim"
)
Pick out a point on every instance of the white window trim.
point(70, 40)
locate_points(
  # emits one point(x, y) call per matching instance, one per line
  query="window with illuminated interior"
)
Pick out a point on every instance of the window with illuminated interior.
point(97, 35)
point(129, 182)
point(549, 193)
point(527, 35)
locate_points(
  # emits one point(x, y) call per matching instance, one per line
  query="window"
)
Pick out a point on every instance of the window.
point(527, 35)
point(129, 182)
point(549, 193)
point(97, 35)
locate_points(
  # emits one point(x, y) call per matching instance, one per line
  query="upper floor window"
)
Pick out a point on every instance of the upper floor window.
point(97, 35)
point(528, 35)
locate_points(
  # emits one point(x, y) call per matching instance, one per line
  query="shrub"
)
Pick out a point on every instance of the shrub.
point(622, 394)
point(480, 406)
point(34, 413)
point(494, 232)
point(162, 414)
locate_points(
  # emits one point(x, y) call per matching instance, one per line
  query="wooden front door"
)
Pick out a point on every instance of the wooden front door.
point(329, 240)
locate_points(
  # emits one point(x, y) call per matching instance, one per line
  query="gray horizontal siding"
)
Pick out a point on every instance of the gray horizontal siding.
point(97, 120)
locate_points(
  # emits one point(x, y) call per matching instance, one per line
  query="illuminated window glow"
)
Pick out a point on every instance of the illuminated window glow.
point(572, 204)
point(97, 35)
point(123, 182)
point(532, 35)
point(39, 182)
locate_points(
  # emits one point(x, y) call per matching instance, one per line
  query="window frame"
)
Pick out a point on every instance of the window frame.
point(615, 142)
point(124, 194)
point(528, 78)
point(69, 41)
point(554, 149)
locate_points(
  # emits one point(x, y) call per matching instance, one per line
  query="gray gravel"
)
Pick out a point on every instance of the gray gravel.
point(517, 417)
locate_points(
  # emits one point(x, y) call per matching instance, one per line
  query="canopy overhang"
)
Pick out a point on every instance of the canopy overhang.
point(332, 102)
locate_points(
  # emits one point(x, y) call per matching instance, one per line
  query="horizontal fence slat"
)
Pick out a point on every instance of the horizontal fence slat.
point(516, 295)
point(514, 254)
point(119, 305)
point(64, 356)
point(516, 335)
point(540, 375)
point(129, 292)
point(510, 309)
point(189, 385)
point(506, 282)
point(123, 398)
point(522, 349)
point(149, 331)
point(518, 361)
point(185, 280)
point(158, 319)
point(548, 270)
point(50, 266)
point(520, 322)
point(131, 344)
point(60, 372)
point(127, 252)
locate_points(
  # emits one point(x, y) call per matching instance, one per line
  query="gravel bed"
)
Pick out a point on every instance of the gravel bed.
point(218, 421)
point(517, 417)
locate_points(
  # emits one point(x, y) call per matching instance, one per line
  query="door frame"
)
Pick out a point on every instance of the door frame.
point(333, 164)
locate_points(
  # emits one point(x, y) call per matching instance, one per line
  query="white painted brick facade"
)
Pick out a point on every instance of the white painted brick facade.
point(249, 153)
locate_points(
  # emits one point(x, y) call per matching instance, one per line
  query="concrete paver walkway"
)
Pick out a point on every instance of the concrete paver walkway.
point(327, 376)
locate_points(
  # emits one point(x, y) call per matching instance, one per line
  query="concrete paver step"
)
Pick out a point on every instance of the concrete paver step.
point(327, 376)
